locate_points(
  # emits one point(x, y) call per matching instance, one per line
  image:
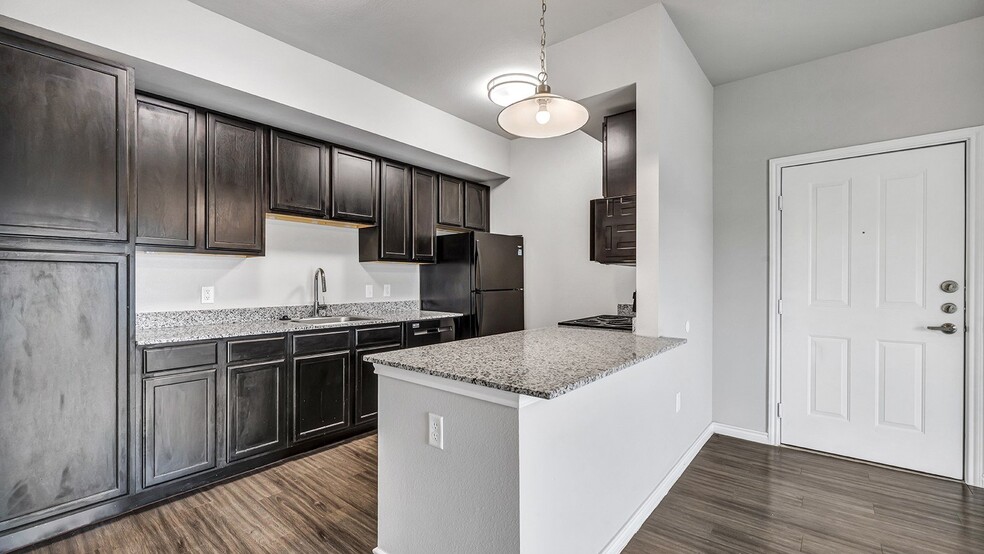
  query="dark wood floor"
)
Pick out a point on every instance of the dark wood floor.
point(736, 496)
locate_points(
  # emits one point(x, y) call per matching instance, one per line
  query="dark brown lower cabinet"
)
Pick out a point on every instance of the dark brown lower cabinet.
point(366, 383)
point(257, 402)
point(613, 230)
point(179, 425)
point(63, 367)
point(320, 385)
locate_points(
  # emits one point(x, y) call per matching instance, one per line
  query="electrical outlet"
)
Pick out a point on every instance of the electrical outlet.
point(679, 401)
point(368, 291)
point(435, 431)
point(208, 295)
point(386, 290)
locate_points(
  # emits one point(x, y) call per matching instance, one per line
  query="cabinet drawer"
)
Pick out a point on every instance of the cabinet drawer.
point(391, 334)
point(315, 343)
point(257, 349)
point(180, 357)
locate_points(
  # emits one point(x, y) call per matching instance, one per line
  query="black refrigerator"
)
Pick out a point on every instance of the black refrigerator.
point(479, 275)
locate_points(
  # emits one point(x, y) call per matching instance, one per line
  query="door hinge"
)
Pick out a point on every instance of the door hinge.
point(780, 202)
point(779, 410)
point(779, 307)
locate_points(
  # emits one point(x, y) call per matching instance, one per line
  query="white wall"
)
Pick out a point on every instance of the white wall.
point(176, 41)
point(285, 276)
point(546, 201)
point(929, 82)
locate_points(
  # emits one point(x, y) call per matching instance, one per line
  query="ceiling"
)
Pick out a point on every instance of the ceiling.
point(443, 52)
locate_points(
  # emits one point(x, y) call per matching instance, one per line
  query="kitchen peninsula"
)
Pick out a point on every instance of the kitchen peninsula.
point(528, 440)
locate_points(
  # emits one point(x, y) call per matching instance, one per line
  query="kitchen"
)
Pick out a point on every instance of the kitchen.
point(237, 269)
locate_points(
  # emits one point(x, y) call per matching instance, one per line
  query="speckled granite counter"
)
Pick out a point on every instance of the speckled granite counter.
point(543, 363)
point(148, 336)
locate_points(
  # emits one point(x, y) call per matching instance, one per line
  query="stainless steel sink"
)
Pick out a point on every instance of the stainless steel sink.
point(333, 319)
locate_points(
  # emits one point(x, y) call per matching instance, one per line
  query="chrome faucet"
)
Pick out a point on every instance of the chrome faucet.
point(318, 306)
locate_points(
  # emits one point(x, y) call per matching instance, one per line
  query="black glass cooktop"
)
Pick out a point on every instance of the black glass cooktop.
point(618, 322)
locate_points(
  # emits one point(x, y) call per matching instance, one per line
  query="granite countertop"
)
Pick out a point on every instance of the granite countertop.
point(183, 333)
point(543, 363)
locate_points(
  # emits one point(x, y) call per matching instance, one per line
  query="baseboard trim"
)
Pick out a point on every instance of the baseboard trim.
point(632, 526)
point(741, 433)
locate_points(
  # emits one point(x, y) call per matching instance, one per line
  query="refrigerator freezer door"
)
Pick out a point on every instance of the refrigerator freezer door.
point(498, 262)
point(498, 312)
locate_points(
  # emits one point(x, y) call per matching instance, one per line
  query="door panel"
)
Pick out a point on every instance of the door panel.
point(498, 312)
point(366, 383)
point(234, 191)
point(394, 225)
point(298, 176)
point(498, 262)
point(451, 202)
point(320, 385)
point(179, 420)
point(353, 186)
point(476, 209)
point(166, 174)
point(63, 362)
point(424, 216)
point(64, 143)
point(866, 243)
point(257, 409)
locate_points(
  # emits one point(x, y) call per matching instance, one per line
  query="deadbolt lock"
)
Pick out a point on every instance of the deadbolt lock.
point(949, 308)
point(949, 286)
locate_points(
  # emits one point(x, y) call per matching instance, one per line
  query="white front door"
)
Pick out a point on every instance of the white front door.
point(867, 244)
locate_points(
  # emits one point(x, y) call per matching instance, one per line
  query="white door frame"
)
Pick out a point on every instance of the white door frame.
point(973, 138)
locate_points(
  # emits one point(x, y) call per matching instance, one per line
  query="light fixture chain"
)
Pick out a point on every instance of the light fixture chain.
point(543, 42)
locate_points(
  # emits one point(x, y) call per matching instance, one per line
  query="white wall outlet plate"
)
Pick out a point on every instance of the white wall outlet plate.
point(386, 290)
point(368, 291)
point(435, 431)
point(208, 295)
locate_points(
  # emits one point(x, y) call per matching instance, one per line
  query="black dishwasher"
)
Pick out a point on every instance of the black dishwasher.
point(431, 331)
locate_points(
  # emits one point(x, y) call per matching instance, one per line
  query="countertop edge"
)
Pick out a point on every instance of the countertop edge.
point(671, 344)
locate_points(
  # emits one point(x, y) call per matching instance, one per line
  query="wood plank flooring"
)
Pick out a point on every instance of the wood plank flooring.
point(736, 496)
point(739, 496)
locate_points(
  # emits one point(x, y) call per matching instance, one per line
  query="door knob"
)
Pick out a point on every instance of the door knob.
point(947, 328)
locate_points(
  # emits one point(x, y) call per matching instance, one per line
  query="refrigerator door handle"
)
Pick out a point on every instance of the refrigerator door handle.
point(478, 265)
point(478, 315)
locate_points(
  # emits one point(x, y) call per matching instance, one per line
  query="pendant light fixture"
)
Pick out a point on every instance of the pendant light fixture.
point(544, 114)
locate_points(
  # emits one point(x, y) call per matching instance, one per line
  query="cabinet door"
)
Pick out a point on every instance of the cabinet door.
point(619, 173)
point(298, 175)
point(179, 426)
point(613, 230)
point(63, 368)
point(320, 384)
point(234, 185)
point(451, 202)
point(394, 223)
point(257, 402)
point(424, 216)
point(166, 173)
point(65, 123)
point(476, 207)
point(353, 186)
point(366, 385)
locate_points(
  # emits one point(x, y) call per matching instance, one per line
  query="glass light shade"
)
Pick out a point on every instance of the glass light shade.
point(520, 119)
point(511, 87)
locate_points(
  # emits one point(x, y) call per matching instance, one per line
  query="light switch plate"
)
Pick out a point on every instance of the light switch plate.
point(208, 295)
point(368, 291)
point(386, 290)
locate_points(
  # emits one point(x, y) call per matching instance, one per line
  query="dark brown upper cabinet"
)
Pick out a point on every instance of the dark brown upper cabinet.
point(65, 135)
point(476, 207)
point(619, 159)
point(354, 179)
point(451, 202)
point(298, 175)
point(613, 224)
point(166, 176)
point(234, 185)
point(390, 240)
point(423, 216)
